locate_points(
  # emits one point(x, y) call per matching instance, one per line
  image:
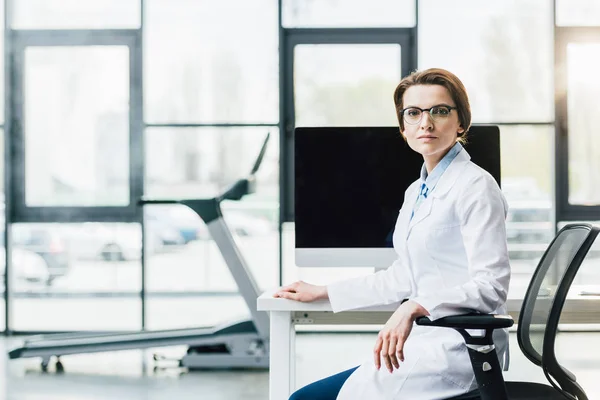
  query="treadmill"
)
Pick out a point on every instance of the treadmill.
point(239, 344)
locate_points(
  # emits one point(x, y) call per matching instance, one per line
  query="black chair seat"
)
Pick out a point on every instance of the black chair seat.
point(532, 391)
point(521, 391)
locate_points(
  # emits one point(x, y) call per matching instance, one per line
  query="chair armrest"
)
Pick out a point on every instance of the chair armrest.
point(470, 321)
point(482, 351)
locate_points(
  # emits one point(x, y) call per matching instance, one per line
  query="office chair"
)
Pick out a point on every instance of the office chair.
point(537, 327)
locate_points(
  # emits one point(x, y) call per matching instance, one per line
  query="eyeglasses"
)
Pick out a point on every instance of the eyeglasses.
point(413, 115)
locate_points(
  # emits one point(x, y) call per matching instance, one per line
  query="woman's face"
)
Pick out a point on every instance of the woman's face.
point(431, 136)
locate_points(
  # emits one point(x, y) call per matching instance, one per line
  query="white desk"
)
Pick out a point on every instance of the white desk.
point(285, 314)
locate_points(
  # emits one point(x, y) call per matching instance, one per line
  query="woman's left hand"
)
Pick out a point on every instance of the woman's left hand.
point(390, 341)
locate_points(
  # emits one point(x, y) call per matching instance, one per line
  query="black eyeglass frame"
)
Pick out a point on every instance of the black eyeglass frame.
point(449, 108)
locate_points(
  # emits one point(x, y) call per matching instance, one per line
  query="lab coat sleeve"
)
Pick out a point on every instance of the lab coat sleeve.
point(389, 286)
point(481, 209)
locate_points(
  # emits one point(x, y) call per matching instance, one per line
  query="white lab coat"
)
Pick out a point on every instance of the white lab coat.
point(452, 258)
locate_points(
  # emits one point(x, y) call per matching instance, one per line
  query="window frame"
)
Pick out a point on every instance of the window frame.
point(21, 212)
point(405, 37)
point(564, 210)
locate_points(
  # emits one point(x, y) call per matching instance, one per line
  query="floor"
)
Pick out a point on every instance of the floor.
point(132, 375)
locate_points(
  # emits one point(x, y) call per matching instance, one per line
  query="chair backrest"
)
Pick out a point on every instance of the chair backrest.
point(546, 294)
point(550, 364)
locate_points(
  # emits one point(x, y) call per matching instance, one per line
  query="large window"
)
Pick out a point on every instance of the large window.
point(210, 66)
point(106, 104)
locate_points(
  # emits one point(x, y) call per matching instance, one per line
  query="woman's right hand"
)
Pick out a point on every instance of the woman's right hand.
point(302, 291)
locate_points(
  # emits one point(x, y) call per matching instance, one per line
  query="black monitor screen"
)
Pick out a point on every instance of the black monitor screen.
point(350, 181)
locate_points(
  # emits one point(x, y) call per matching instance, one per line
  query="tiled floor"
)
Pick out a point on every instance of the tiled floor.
point(131, 375)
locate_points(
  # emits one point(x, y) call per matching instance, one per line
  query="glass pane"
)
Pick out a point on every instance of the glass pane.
point(75, 14)
point(181, 311)
point(35, 312)
point(201, 162)
point(205, 63)
point(76, 107)
point(2, 219)
point(63, 271)
point(193, 275)
point(587, 280)
point(2, 65)
point(527, 187)
point(502, 51)
point(346, 84)
point(577, 13)
point(586, 284)
point(348, 13)
point(583, 61)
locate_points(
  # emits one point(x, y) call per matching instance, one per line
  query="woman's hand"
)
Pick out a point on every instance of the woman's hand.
point(390, 341)
point(302, 291)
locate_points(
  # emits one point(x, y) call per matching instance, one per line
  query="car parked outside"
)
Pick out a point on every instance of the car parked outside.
point(176, 217)
point(46, 241)
point(27, 267)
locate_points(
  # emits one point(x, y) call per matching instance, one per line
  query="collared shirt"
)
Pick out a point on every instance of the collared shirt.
point(428, 181)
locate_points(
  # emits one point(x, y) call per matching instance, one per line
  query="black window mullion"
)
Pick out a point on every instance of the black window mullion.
point(564, 210)
point(20, 40)
point(405, 37)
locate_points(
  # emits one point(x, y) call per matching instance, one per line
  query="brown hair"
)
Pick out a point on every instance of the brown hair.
point(437, 76)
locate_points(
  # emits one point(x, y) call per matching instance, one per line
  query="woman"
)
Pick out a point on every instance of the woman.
point(450, 238)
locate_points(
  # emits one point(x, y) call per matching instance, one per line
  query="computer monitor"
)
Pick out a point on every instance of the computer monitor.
point(349, 187)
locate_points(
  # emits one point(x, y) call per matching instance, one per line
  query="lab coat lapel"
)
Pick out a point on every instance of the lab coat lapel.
point(422, 213)
point(443, 186)
point(451, 174)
